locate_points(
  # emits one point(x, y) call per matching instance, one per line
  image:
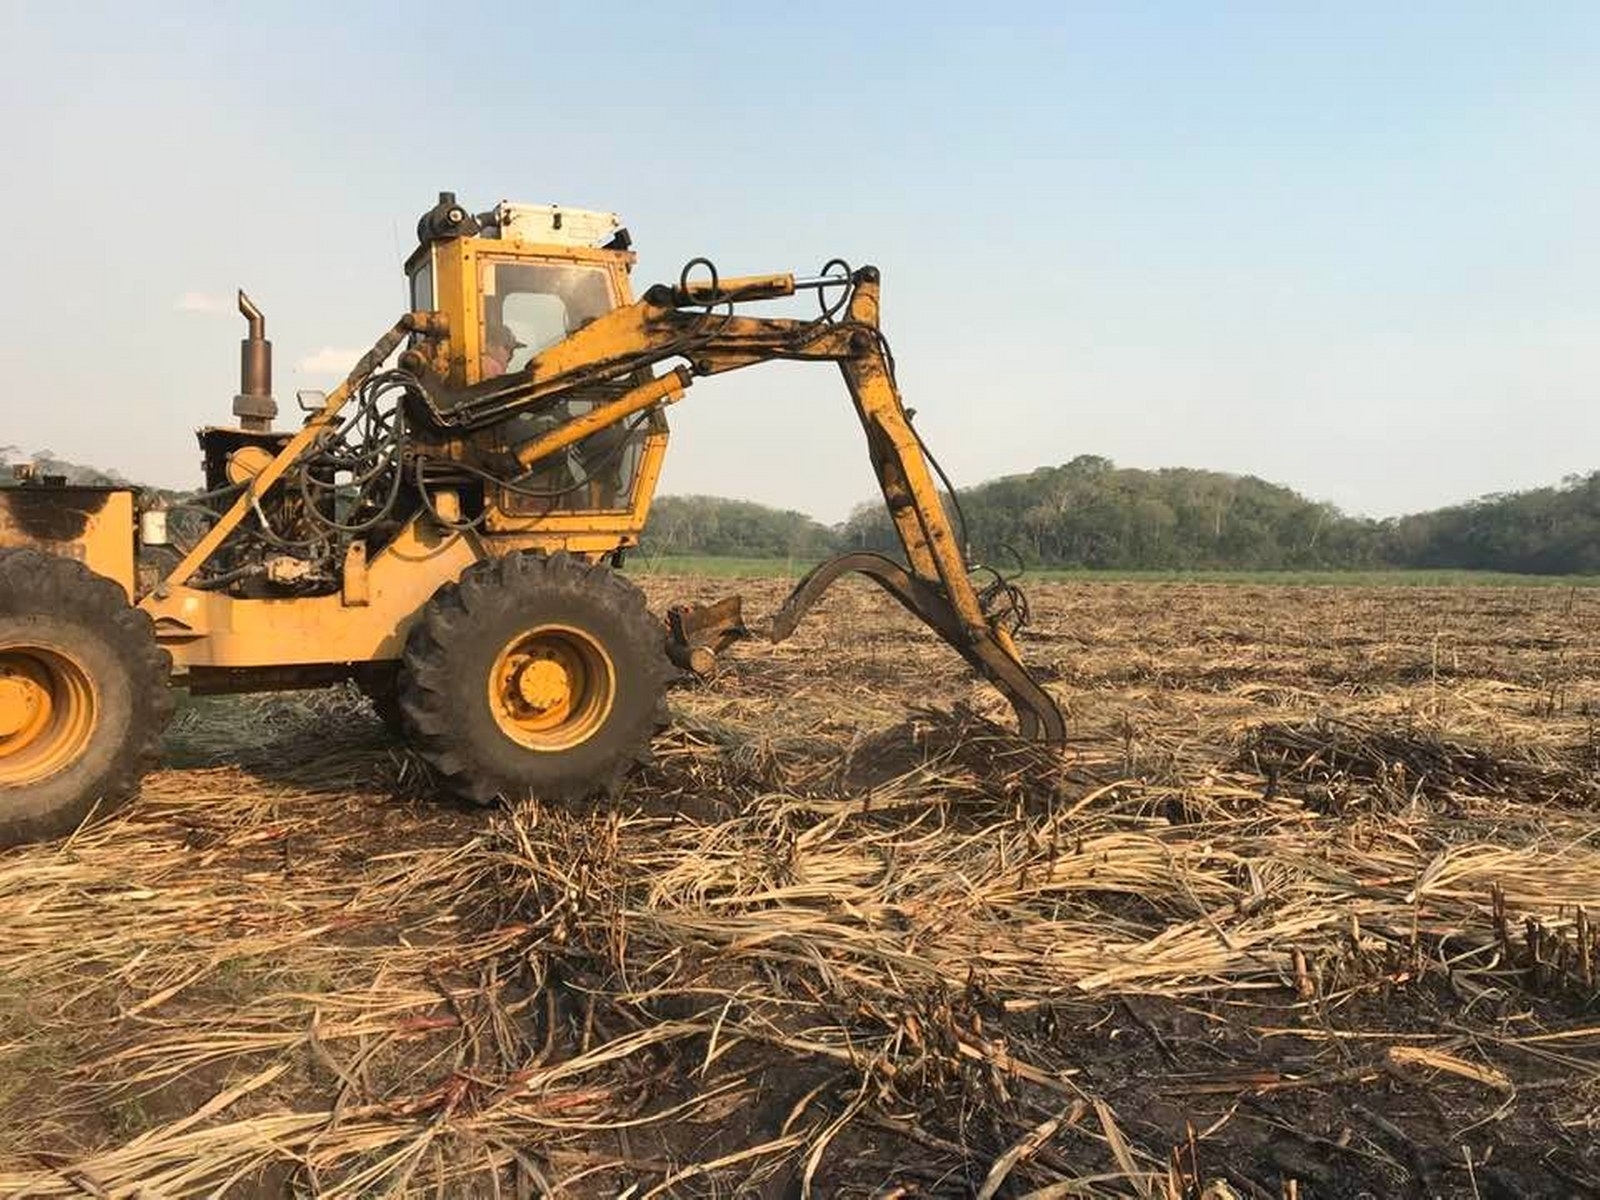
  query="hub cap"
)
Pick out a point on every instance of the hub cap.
point(551, 688)
point(48, 710)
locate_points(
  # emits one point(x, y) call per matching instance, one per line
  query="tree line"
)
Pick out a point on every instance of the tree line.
point(734, 528)
point(1090, 513)
point(48, 464)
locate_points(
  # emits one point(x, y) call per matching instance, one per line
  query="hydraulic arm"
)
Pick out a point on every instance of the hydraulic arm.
point(697, 321)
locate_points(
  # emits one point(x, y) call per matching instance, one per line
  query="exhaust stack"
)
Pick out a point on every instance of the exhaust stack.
point(254, 405)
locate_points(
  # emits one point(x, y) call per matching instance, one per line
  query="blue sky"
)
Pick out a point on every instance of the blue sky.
point(1353, 248)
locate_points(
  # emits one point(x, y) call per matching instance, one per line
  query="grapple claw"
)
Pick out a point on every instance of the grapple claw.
point(697, 633)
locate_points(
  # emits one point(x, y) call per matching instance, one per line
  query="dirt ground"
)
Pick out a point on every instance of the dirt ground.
point(1307, 908)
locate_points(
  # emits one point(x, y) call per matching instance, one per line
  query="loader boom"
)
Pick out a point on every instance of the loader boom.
point(697, 321)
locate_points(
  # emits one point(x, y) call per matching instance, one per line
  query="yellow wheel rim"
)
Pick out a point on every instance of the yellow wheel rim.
point(48, 711)
point(552, 687)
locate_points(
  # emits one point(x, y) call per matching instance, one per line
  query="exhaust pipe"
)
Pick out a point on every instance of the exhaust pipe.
point(254, 405)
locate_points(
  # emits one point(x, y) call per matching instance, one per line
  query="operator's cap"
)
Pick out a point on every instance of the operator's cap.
point(502, 335)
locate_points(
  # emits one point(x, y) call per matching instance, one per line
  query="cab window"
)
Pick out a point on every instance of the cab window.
point(422, 287)
point(527, 308)
point(537, 304)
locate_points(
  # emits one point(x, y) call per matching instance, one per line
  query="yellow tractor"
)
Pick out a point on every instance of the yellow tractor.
point(446, 528)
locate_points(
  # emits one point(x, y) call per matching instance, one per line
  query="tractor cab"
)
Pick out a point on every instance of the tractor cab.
point(510, 284)
point(514, 281)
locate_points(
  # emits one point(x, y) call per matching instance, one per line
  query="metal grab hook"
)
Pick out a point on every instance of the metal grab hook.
point(1038, 716)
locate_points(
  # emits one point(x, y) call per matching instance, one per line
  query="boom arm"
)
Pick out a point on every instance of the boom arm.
point(695, 322)
point(685, 322)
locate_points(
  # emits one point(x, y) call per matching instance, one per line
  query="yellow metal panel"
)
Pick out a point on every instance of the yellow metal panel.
point(456, 286)
point(587, 545)
point(92, 525)
point(109, 543)
point(558, 526)
point(210, 629)
point(644, 489)
point(531, 251)
point(739, 288)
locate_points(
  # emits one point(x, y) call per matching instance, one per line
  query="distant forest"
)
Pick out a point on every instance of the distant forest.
point(1092, 513)
point(46, 463)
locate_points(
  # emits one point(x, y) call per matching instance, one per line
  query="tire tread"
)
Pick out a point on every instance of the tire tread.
point(32, 581)
point(450, 741)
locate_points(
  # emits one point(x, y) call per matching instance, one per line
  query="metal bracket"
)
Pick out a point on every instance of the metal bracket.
point(697, 633)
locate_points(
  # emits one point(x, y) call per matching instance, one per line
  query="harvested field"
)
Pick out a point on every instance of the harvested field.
point(1310, 907)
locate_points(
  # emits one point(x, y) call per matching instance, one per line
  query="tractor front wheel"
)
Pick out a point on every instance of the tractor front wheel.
point(534, 677)
point(83, 695)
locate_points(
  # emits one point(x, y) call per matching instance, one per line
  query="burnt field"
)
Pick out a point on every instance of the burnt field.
point(1309, 907)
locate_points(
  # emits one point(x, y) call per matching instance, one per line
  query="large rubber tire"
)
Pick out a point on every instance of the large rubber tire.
point(455, 655)
point(78, 640)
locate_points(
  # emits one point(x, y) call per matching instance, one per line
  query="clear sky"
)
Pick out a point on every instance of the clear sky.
point(1354, 248)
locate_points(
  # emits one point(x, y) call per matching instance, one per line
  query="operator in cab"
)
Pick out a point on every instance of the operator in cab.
point(499, 345)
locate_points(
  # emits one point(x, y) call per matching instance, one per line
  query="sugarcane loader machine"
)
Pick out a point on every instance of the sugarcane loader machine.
point(444, 528)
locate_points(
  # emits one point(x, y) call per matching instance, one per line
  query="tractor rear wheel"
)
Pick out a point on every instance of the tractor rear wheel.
point(534, 678)
point(83, 695)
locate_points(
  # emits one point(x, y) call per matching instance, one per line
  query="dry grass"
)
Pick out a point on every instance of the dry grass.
point(1308, 907)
